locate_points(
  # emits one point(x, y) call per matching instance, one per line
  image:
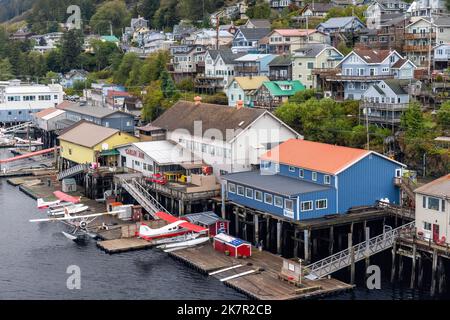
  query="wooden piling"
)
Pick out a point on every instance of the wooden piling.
point(256, 227)
point(441, 277)
point(352, 259)
point(296, 232)
point(413, 267)
point(420, 276)
point(367, 237)
point(236, 222)
point(268, 233)
point(394, 252)
point(400, 268)
point(279, 232)
point(307, 235)
point(433, 273)
point(331, 241)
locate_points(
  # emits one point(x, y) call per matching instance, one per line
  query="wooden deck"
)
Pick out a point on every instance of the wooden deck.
point(123, 245)
point(261, 285)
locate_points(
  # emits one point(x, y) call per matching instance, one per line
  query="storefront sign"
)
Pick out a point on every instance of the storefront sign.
point(134, 153)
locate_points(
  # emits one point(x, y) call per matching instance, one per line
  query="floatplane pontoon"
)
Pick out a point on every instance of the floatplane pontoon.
point(177, 234)
point(78, 223)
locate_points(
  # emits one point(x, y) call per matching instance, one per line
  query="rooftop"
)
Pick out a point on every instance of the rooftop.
point(183, 114)
point(250, 83)
point(98, 112)
point(87, 134)
point(322, 157)
point(254, 34)
point(260, 23)
point(276, 87)
point(439, 187)
point(338, 22)
point(295, 32)
point(165, 152)
point(274, 183)
point(372, 55)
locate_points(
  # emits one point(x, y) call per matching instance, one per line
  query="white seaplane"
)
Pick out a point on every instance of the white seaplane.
point(63, 198)
point(177, 234)
point(79, 223)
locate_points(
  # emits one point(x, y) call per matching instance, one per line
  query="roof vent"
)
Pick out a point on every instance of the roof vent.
point(197, 100)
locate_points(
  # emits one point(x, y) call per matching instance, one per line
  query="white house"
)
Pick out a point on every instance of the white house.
point(433, 210)
point(244, 89)
point(220, 64)
point(441, 56)
point(19, 101)
point(230, 139)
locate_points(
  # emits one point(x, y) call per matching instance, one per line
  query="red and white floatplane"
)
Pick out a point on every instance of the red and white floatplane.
point(178, 234)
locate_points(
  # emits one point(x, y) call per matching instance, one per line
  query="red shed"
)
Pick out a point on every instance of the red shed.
point(236, 247)
point(208, 220)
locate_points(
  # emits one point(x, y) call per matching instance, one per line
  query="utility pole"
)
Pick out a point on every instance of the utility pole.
point(217, 32)
point(367, 128)
point(430, 31)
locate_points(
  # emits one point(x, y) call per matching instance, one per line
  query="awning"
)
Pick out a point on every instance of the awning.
point(112, 152)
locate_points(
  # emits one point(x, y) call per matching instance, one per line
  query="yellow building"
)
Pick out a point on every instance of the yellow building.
point(87, 142)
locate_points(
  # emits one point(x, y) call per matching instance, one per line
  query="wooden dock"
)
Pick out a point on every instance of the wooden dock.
point(123, 245)
point(264, 283)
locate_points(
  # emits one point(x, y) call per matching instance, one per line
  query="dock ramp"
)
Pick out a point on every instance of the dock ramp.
point(143, 197)
point(340, 260)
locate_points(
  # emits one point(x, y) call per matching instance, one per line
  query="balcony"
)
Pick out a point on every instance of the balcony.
point(409, 48)
point(246, 69)
point(384, 106)
point(413, 36)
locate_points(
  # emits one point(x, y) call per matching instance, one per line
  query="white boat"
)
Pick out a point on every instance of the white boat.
point(188, 243)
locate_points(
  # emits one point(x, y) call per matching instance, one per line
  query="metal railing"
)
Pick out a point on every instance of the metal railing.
point(143, 197)
point(360, 251)
point(73, 171)
point(17, 127)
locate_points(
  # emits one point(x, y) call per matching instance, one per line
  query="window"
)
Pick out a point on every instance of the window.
point(278, 202)
point(306, 205)
point(310, 65)
point(258, 196)
point(145, 166)
point(433, 203)
point(314, 176)
point(291, 169)
point(427, 226)
point(443, 205)
point(424, 202)
point(321, 204)
point(326, 179)
point(268, 198)
point(289, 205)
point(249, 193)
point(240, 190)
point(231, 188)
point(301, 173)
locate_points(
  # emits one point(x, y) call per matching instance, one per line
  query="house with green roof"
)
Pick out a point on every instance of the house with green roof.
point(111, 38)
point(273, 93)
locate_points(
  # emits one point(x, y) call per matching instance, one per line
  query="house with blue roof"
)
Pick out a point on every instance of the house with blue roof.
point(302, 180)
point(341, 24)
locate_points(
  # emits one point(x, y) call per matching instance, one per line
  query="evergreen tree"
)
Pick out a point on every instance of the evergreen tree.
point(71, 48)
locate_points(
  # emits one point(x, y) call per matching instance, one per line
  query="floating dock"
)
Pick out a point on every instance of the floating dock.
point(257, 277)
point(123, 245)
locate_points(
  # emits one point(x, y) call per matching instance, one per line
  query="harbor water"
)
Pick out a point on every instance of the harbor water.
point(34, 259)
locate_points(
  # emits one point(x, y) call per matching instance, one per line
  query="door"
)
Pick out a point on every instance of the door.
point(435, 232)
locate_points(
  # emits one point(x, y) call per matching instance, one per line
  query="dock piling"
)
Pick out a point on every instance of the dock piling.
point(352, 258)
point(413, 267)
point(331, 242)
point(279, 226)
point(433, 273)
point(394, 252)
point(307, 235)
point(256, 227)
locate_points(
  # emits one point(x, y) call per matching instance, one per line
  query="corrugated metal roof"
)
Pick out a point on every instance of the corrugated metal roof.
point(275, 87)
point(205, 218)
point(439, 187)
point(87, 134)
point(316, 156)
point(274, 183)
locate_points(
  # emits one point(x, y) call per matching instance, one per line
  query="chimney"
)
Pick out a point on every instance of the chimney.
point(239, 104)
point(197, 100)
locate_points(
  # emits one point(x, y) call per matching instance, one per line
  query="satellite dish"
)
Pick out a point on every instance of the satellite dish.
point(105, 146)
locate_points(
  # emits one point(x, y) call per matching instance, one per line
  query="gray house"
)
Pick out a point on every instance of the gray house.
point(106, 117)
point(383, 103)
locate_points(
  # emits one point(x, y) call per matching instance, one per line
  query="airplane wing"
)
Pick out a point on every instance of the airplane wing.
point(187, 225)
point(76, 217)
point(65, 197)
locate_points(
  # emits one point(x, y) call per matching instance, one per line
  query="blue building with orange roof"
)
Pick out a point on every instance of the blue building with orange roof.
point(302, 180)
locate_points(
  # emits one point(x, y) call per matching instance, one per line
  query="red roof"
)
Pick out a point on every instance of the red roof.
point(321, 157)
point(295, 32)
point(372, 55)
point(187, 225)
point(44, 112)
point(113, 93)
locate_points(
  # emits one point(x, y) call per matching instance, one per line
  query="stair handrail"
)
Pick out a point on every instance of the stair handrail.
point(360, 251)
